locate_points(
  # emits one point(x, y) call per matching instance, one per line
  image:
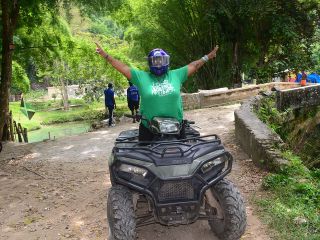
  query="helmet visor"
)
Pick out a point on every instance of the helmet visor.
point(159, 61)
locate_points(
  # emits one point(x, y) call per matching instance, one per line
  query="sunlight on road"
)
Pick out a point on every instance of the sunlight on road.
point(92, 150)
point(68, 147)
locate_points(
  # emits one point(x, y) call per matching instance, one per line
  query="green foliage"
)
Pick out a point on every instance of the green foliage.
point(295, 195)
point(293, 206)
point(72, 116)
point(256, 37)
point(20, 80)
point(310, 151)
point(268, 113)
point(46, 115)
point(105, 26)
point(52, 52)
point(299, 129)
point(35, 95)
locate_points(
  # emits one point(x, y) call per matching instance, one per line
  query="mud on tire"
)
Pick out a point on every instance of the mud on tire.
point(234, 220)
point(120, 211)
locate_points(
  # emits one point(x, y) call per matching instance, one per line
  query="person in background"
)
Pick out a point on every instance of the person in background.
point(303, 81)
point(291, 77)
point(133, 99)
point(109, 102)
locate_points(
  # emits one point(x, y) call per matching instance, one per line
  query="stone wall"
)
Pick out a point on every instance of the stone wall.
point(209, 98)
point(73, 92)
point(191, 100)
point(256, 139)
point(298, 97)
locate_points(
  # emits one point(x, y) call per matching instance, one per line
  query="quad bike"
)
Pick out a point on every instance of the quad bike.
point(172, 181)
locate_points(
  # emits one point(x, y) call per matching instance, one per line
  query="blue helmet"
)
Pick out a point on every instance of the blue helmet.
point(158, 61)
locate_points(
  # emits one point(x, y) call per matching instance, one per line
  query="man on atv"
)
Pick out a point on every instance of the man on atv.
point(160, 88)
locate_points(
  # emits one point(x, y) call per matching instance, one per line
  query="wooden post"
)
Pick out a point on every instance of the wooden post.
point(22, 132)
point(17, 131)
point(5, 136)
point(25, 135)
point(11, 126)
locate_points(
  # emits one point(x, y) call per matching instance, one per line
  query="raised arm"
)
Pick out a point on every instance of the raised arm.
point(118, 65)
point(194, 66)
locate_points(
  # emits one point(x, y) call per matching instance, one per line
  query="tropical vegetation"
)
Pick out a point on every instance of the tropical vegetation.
point(53, 41)
point(292, 204)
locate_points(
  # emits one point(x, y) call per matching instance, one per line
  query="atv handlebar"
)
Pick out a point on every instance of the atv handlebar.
point(139, 117)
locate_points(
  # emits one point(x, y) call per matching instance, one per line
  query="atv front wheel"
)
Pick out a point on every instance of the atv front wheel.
point(227, 211)
point(121, 216)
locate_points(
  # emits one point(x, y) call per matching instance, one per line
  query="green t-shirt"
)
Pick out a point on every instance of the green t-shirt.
point(160, 95)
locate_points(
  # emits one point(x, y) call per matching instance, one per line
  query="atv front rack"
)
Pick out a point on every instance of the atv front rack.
point(181, 151)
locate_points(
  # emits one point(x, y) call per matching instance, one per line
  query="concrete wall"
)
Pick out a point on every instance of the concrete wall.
point(256, 139)
point(298, 97)
point(209, 98)
point(73, 92)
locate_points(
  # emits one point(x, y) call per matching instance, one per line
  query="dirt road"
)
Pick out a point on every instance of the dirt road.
point(57, 189)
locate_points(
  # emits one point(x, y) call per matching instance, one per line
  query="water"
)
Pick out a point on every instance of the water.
point(58, 131)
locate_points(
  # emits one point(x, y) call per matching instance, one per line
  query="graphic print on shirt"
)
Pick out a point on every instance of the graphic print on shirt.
point(162, 89)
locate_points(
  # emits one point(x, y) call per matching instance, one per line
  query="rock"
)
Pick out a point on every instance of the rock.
point(300, 220)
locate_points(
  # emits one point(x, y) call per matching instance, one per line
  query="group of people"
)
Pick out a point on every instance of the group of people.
point(133, 100)
point(159, 88)
point(303, 78)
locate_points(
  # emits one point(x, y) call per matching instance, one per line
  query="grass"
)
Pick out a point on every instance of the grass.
point(291, 205)
point(292, 202)
point(46, 116)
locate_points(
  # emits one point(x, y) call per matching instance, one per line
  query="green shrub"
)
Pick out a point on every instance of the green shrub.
point(34, 95)
point(268, 113)
point(294, 194)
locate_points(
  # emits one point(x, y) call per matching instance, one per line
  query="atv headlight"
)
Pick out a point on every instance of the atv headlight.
point(133, 169)
point(209, 165)
point(165, 125)
point(169, 127)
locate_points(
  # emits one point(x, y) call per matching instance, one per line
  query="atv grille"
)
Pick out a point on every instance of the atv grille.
point(175, 190)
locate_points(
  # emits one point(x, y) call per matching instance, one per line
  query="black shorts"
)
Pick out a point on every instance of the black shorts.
point(133, 105)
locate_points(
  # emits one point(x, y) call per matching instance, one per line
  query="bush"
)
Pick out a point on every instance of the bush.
point(295, 195)
point(35, 95)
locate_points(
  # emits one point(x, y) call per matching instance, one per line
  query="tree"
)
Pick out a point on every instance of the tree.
point(10, 12)
point(253, 35)
point(15, 12)
point(20, 80)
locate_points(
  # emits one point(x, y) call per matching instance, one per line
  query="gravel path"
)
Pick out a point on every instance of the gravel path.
point(57, 189)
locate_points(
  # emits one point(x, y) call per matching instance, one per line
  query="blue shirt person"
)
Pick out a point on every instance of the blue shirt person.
point(109, 101)
point(133, 99)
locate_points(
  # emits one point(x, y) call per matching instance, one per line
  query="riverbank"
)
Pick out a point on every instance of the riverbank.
point(51, 121)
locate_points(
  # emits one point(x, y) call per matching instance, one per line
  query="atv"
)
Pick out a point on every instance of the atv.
point(172, 181)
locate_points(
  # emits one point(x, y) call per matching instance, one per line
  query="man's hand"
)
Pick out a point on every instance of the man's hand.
point(213, 53)
point(100, 51)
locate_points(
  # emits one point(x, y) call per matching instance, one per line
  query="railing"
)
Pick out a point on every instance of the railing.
point(13, 131)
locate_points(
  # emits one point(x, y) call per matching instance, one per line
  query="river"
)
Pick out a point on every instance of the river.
point(58, 130)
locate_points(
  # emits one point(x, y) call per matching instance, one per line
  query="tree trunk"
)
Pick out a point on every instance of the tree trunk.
point(235, 62)
point(10, 11)
point(64, 93)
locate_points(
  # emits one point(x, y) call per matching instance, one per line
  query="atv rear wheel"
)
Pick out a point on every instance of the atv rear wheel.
point(121, 216)
point(226, 210)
